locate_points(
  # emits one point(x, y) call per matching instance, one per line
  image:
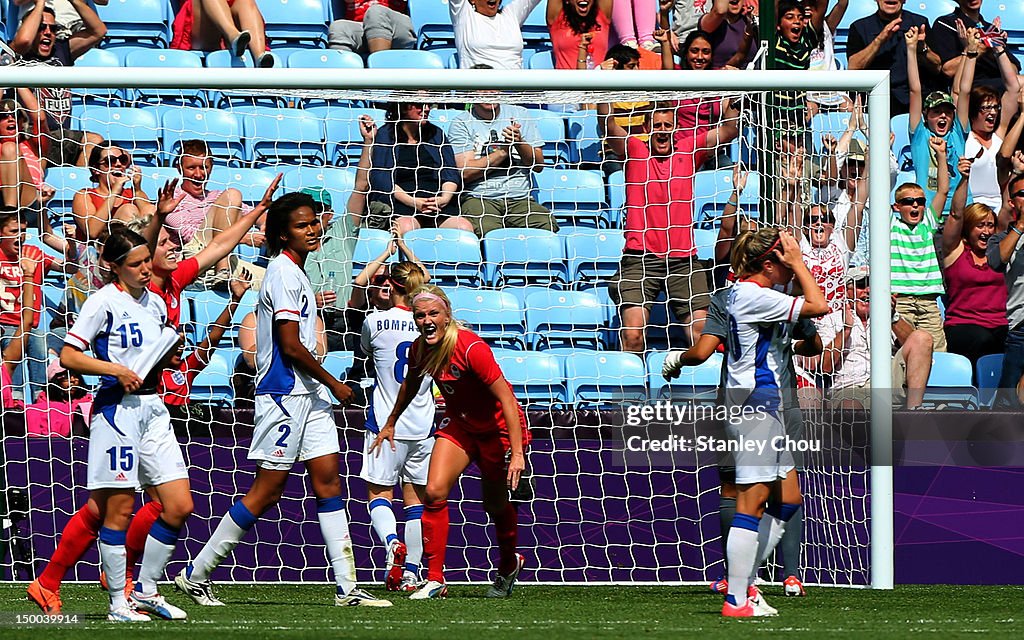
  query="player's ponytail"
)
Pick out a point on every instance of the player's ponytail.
point(433, 360)
point(751, 249)
point(405, 277)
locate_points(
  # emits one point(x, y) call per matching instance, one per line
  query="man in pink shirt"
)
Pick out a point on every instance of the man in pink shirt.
point(660, 254)
point(203, 214)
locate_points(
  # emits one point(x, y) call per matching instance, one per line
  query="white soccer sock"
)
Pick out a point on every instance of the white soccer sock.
point(232, 528)
point(769, 532)
point(382, 517)
point(742, 553)
point(334, 527)
point(157, 553)
point(114, 563)
point(413, 537)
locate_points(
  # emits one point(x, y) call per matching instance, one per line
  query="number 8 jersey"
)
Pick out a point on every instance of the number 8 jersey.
point(387, 338)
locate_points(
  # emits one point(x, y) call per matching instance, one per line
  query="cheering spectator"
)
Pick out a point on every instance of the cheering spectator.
point(373, 25)
point(660, 254)
point(1005, 256)
point(69, 22)
point(496, 147)
point(118, 193)
point(486, 33)
point(36, 40)
point(989, 116)
point(827, 248)
point(21, 169)
point(579, 31)
point(634, 23)
point(947, 38)
point(412, 173)
point(823, 58)
point(937, 115)
point(628, 115)
point(733, 32)
point(975, 292)
point(877, 42)
point(796, 38)
point(847, 356)
point(201, 213)
point(209, 25)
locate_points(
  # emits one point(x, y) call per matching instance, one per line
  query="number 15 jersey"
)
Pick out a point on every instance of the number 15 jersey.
point(387, 338)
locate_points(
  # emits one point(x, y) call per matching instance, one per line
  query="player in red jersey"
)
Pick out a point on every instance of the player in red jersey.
point(483, 423)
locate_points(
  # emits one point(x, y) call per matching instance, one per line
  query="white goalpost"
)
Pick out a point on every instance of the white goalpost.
point(575, 518)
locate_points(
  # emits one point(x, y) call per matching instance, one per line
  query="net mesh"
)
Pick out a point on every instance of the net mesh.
point(541, 298)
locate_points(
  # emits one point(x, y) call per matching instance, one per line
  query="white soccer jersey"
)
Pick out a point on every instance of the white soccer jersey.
point(118, 328)
point(759, 344)
point(285, 295)
point(387, 338)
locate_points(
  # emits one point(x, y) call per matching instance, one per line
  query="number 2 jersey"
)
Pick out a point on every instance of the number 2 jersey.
point(285, 295)
point(387, 339)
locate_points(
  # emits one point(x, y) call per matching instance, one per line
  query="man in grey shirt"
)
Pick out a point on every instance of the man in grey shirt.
point(1005, 255)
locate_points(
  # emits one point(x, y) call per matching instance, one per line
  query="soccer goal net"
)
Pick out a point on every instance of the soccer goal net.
point(537, 248)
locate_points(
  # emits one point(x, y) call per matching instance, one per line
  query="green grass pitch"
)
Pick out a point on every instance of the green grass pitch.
point(288, 611)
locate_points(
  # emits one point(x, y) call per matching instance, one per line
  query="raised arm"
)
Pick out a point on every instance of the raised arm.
point(835, 16)
point(975, 47)
point(92, 32)
point(26, 33)
point(216, 331)
point(715, 17)
point(554, 9)
point(815, 304)
point(913, 78)
point(614, 134)
point(728, 129)
point(938, 147)
point(224, 243)
point(1009, 103)
point(728, 227)
point(951, 244)
point(362, 279)
point(1010, 142)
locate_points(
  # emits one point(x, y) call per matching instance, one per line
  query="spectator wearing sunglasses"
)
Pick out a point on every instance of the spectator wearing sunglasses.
point(827, 248)
point(916, 277)
point(36, 40)
point(118, 193)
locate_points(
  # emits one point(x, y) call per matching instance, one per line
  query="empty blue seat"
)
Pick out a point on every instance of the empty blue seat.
point(603, 378)
point(404, 59)
point(370, 244)
point(950, 382)
point(900, 127)
point(525, 256)
point(432, 23)
point(573, 195)
point(535, 27)
point(713, 189)
point(541, 60)
point(224, 60)
point(66, 181)
point(610, 332)
point(829, 123)
point(452, 255)
point(324, 59)
point(252, 183)
point(220, 129)
point(98, 58)
point(585, 140)
point(301, 22)
point(442, 117)
point(988, 370)
point(153, 178)
point(163, 59)
point(536, 377)
point(98, 96)
point(344, 141)
point(338, 363)
point(563, 318)
point(135, 130)
point(698, 384)
point(495, 316)
point(138, 22)
point(207, 305)
point(616, 199)
point(338, 182)
point(213, 384)
point(282, 136)
point(592, 254)
point(551, 129)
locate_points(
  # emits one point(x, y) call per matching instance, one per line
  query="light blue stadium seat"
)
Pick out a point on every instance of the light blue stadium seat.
point(541, 60)
point(551, 129)
point(585, 140)
point(99, 96)
point(526, 256)
point(443, 117)
point(563, 318)
point(432, 23)
point(575, 196)
point(370, 243)
point(165, 58)
point(295, 22)
point(66, 181)
point(495, 316)
point(338, 182)
point(220, 99)
point(521, 293)
point(281, 136)
point(134, 130)
point(988, 370)
point(712, 190)
point(901, 144)
point(344, 142)
point(338, 363)
point(610, 332)
point(207, 305)
point(220, 129)
point(452, 255)
point(451, 57)
point(832, 123)
point(536, 377)
point(856, 10)
point(213, 384)
point(535, 27)
point(592, 254)
point(137, 22)
point(405, 59)
point(153, 178)
point(616, 199)
point(252, 183)
point(931, 9)
point(705, 241)
point(603, 378)
point(698, 384)
point(323, 59)
point(950, 382)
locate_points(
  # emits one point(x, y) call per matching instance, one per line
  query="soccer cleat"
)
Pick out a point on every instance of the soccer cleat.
point(157, 605)
point(126, 614)
point(48, 601)
point(431, 589)
point(359, 598)
point(793, 587)
point(719, 586)
point(200, 592)
point(129, 582)
point(396, 566)
point(756, 600)
point(503, 585)
point(410, 582)
point(745, 610)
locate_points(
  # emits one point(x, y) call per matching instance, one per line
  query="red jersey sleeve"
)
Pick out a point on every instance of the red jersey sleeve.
point(481, 361)
point(186, 273)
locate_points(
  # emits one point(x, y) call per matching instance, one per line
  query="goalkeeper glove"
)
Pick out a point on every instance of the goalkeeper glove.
point(673, 365)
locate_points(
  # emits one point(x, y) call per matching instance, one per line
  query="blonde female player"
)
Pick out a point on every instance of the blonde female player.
point(759, 350)
point(131, 442)
point(483, 423)
point(387, 337)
